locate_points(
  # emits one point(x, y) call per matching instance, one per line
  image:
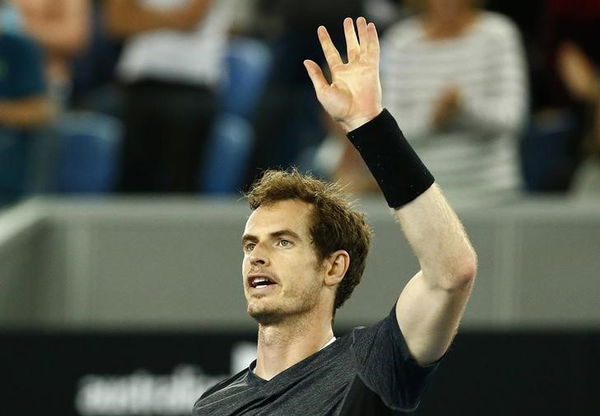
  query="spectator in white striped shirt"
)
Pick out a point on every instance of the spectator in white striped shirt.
point(454, 77)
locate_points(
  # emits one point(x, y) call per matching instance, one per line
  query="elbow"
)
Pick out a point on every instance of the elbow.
point(467, 274)
point(464, 271)
point(460, 272)
point(457, 274)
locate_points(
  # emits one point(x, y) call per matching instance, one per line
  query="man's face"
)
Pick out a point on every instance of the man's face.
point(281, 274)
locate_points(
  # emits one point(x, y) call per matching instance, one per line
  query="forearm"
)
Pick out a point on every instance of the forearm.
point(27, 112)
point(430, 225)
point(127, 17)
point(438, 239)
point(503, 114)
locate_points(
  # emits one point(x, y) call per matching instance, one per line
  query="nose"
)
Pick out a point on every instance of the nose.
point(258, 257)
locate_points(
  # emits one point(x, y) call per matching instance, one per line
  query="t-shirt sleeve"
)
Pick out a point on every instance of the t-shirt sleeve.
point(22, 69)
point(386, 366)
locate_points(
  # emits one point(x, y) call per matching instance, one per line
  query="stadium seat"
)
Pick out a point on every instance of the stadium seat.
point(248, 64)
point(228, 151)
point(88, 150)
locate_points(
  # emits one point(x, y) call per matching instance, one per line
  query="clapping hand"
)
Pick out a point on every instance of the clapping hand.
point(446, 107)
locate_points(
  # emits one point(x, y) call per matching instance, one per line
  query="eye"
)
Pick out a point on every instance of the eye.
point(285, 243)
point(248, 247)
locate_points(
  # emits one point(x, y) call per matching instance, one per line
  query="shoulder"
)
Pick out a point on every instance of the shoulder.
point(497, 25)
point(385, 332)
point(23, 53)
point(16, 43)
point(386, 367)
point(21, 67)
point(405, 31)
point(223, 384)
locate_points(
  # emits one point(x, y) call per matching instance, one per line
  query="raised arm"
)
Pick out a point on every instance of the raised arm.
point(432, 303)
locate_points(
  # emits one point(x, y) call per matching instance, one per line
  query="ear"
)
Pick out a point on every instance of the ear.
point(336, 266)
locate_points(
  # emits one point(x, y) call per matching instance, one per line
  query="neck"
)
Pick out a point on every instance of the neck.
point(284, 344)
point(442, 25)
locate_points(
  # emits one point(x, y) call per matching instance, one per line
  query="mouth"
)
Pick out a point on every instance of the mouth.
point(260, 281)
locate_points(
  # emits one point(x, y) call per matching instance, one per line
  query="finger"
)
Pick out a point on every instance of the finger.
point(373, 42)
point(352, 45)
point(361, 25)
point(332, 56)
point(316, 75)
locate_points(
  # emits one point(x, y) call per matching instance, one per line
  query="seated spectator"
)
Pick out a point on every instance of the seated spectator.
point(24, 106)
point(454, 77)
point(170, 66)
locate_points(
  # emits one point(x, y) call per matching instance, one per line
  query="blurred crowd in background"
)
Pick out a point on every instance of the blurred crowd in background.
point(500, 98)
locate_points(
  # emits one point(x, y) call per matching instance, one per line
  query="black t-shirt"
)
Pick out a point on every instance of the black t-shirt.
point(366, 372)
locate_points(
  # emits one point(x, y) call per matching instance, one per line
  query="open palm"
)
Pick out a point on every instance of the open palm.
point(354, 95)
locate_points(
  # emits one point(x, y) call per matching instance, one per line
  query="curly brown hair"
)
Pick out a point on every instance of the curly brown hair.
point(336, 225)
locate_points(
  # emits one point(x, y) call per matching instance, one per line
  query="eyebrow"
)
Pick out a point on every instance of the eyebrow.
point(274, 234)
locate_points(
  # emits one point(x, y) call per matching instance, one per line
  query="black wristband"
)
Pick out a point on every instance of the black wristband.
point(396, 167)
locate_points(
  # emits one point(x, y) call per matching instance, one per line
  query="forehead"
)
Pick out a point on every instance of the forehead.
point(287, 214)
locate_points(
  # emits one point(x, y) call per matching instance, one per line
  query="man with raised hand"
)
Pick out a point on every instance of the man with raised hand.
point(304, 252)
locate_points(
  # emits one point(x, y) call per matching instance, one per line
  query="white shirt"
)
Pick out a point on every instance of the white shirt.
point(193, 57)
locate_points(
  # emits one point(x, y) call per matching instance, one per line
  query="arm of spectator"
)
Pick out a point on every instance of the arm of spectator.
point(352, 172)
point(503, 107)
point(26, 112)
point(62, 29)
point(580, 76)
point(129, 17)
point(582, 80)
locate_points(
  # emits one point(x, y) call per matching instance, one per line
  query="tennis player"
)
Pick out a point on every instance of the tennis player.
point(304, 252)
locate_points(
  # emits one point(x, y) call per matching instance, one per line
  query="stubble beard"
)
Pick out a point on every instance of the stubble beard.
point(288, 309)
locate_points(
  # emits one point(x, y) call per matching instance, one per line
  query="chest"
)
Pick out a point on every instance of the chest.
point(464, 62)
point(316, 391)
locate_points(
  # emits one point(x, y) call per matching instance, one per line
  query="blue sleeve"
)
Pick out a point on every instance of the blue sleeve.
point(386, 366)
point(21, 68)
